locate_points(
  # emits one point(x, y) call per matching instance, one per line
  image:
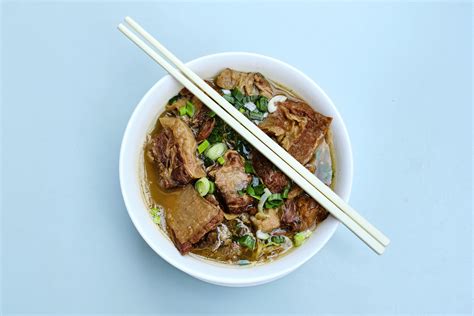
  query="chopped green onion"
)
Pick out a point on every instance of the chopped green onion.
point(182, 111)
point(263, 199)
point(259, 189)
point(190, 109)
point(202, 186)
point(247, 241)
point(216, 151)
point(256, 115)
point(249, 167)
point(212, 187)
point(242, 110)
point(229, 98)
point(262, 104)
point(221, 160)
point(203, 146)
point(212, 114)
point(154, 211)
point(285, 192)
point(277, 239)
point(299, 238)
point(237, 94)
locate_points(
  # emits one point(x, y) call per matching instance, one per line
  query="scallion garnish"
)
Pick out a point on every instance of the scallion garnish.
point(190, 109)
point(247, 241)
point(221, 160)
point(203, 146)
point(202, 186)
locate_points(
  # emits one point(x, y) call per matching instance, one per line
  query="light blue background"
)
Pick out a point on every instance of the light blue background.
point(400, 74)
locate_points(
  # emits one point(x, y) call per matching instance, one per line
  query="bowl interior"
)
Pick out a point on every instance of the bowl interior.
point(143, 120)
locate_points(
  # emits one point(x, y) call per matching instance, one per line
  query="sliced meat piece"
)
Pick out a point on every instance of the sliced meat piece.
point(251, 83)
point(201, 123)
point(290, 215)
point(231, 178)
point(266, 222)
point(212, 198)
point(294, 191)
point(274, 179)
point(263, 85)
point(173, 151)
point(298, 128)
point(303, 213)
point(311, 213)
point(191, 219)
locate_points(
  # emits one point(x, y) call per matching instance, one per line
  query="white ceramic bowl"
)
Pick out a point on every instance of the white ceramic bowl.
point(143, 120)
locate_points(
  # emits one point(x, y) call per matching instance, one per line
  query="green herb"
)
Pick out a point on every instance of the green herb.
point(221, 160)
point(273, 204)
point(242, 110)
point(216, 151)
point(190, 109)
point(256, 115)
point(299, 238)
point(274, 200)
point(182, 111)
point(249, 167)
point(251, 192)
point(277, 239)
point(174, 99)
point(259, 189)
point(203, 146)
point(262, 104)
point(202, 186)
point(237, 94)
point(250, 98)
point(229, 98)
point(247, 241)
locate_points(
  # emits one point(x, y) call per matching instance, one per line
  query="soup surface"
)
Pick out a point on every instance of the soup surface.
point(216, 196)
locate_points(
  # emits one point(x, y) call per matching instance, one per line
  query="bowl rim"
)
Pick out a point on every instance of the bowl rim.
point(229, 280)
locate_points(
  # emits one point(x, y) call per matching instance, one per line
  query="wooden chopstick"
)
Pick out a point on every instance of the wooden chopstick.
point(249, 131)
point(277, 149)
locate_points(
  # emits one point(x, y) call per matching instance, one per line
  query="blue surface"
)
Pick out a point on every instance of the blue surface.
point(400, 73)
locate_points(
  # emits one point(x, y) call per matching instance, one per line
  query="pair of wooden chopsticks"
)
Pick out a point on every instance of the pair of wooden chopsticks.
point(259, 140)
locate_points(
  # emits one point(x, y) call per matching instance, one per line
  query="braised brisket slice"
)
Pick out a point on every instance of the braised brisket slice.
point(302, 213)
point(274, 179)
point(230, 179)
point(191, 219)
point(297, 128)
point(173, 151)
point(250, 83)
